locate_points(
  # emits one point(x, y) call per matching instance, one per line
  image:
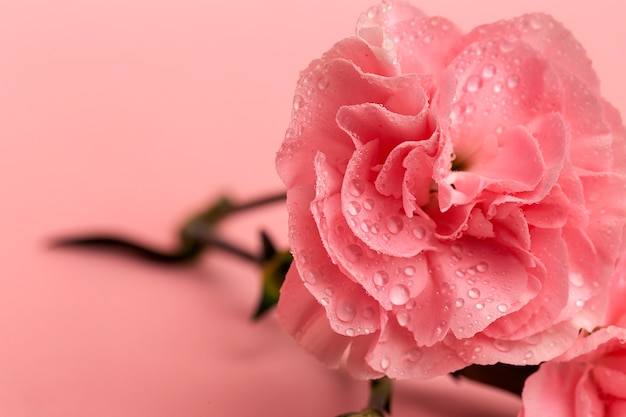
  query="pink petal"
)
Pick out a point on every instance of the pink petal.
point(605, 197)
point(591, 133)
point(476, 282)
point(618, 144)
point(423, 45)
point(348, 307)
point(587, 398)
point(356, 363)
point(515, 162)
point(344, 76)
point(603, 342)
point(387, 15)
point(397, 355)
point(530, 350)
point(552, 137)
point(545, 35)
point(368, 121)
point(499, 84)
point(552, 296)
point(304, 318)
point(478, 225)
point(391, 281)
point(550, 391)
point(615, 408)
point(378, 220)
point(511, 229)
point(611, 381)
point(553, 211)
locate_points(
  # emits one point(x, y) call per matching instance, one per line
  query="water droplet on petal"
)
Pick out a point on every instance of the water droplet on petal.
point(482, 267)
point(513, 81)
point(345, 311)
point(380, 278)
point(501, 345)
point(489, 71)
point(368, 204)
point(384, 363)
point(323, 83)
point(354, 208)
point(394, 224)
point(459, 302)
point(309, 277)
point(356, 187)
point(409, 271)
point(388, 44)
point(480, 306)
point(324, 302)
point(507, 46)
point(503, 308)
point(419, 232)
point(441, 326)
point(399, 295)
point(497, 87)
point(350, 332)
point(473, 293)
point(535, 24)
point(298, 102)
point(414, 355)
point(576, 279)
point(353, 253)
point(403, 318)
point(368, 312)
point(474, 83)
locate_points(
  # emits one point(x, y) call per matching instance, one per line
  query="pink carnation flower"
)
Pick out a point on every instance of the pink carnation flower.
point(453, 198)
point(590, 378)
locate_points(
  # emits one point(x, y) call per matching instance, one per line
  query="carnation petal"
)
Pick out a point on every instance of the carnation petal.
point(377, 220)
point(611, 381)
point(545, 35)
point(349, 308)
point(304, 318)
point(397, 356)
point(547, 301)
point(530, 350)
point(499, 85)
point(476, 282)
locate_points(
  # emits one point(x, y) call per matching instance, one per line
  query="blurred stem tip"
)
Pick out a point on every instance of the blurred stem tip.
point(198, 235)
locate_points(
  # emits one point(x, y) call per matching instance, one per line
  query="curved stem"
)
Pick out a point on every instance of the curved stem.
point(197, 235)
point(263, 201)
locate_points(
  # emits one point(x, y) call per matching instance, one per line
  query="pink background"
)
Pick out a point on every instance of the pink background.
point(128, 115)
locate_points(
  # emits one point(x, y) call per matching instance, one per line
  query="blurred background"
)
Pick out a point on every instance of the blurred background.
point(129, 116)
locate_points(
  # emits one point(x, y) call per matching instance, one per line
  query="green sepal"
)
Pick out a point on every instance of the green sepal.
point(274, 265)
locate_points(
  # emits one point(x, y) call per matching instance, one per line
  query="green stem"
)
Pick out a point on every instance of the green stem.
point(197, 235)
